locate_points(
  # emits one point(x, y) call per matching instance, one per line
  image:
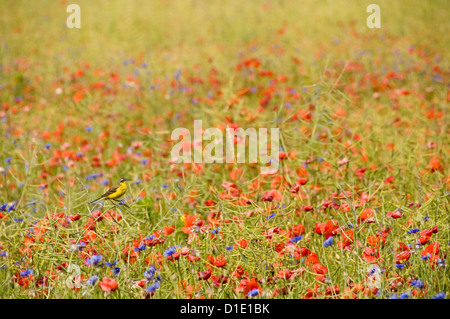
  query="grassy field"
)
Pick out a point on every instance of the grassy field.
point(358, 209)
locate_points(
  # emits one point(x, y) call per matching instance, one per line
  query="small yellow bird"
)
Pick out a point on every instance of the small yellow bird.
point(115, 192)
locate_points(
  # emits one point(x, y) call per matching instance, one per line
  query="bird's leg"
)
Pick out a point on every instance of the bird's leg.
point(120, 203)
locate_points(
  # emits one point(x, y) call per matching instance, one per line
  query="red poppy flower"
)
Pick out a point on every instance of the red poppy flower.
point(395, 215)
point(288, 274)
point(250, 285)
point(242, 242)
point(347, 239)
point(108, 284)
point(432, 249)
point(213, 219)
point(402, 247)
point(320, 269)
point(140, 283)
point(435, 165)
point(192, 258)
point(220, 261)
point(204, 275)
point(218, 280)
point(327, 229)
point(402, 257)
point(188, 223)
point(184, 251)
point(113, 216)
point(297, 230)
point(311, 259)
point(370, 254)
point(168, 230)
point(429, 231)
point(330, 291)
point(74, 217)
point(97, 215)
point(312, 293)
point(366, 216)
point(271, 195)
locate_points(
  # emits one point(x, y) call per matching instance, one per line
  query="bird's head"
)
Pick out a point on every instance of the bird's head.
point(122, 180)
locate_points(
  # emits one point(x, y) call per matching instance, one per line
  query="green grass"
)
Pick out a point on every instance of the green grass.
point(350, 78)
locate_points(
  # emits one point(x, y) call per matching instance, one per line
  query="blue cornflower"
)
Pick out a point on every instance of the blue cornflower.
point(94, 260)
point(404, 295)
point(48, 145)
point(215, 231)
point(229, 248)
point(116, 271)
point(413, 231)
point(109, 264)
point(178, 74)
point(428, 256)
point(26, 272)
point(426, 218)
point(3, 254)
point(399, 266)
point(12, 207)
point(141, 247)
point(165, 185)
point(18, 220)
point(91, 281)
point(105, 182)
point(440, 295)
point(253, 292)
point(169, 252)
point(153, 287)
point(8, 160)
point(269, 217)
point(374, 270)
point(88, 128)
point(393, 296)
point(3, 207)
point(144, 161)
point(148, 274)
point(328, 242)
point(417, 283)
point(297, 238)
point(93, 176)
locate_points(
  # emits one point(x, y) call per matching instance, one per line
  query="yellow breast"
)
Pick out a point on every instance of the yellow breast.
point(120, 191)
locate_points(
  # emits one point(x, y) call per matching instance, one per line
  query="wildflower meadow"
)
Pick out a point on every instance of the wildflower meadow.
point(340, 192)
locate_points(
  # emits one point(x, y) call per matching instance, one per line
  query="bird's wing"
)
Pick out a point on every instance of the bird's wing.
point(110, 191)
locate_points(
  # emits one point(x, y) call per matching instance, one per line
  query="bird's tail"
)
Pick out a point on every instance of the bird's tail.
point(95, 200)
